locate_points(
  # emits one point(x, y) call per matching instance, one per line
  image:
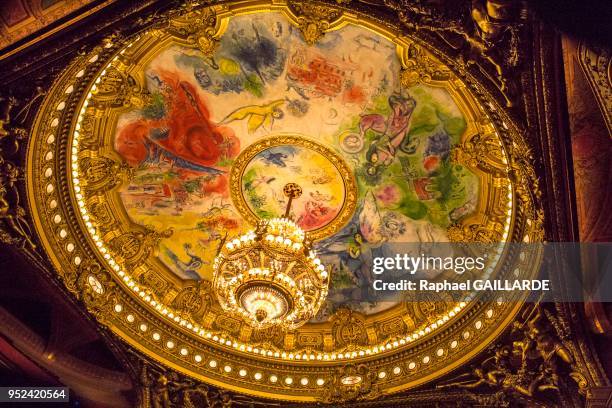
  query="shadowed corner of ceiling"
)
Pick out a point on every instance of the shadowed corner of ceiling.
point(46, 341)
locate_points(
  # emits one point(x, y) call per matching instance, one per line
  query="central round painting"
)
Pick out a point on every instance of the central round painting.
point(372, 157)
point(272, 168)
point(262, 170)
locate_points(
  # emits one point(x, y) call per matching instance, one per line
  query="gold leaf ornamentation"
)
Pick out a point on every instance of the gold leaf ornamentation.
point(348, 328)
point(314, 20)
point(101, 174)
point(196, 29)
point(194, 300)
point(421, 68)
point(134, 247)
point(352, 382)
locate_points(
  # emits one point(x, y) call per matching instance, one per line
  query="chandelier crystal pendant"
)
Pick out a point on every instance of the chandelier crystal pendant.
point(271, 276)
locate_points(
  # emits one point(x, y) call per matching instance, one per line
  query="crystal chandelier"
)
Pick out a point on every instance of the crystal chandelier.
point(270, 276)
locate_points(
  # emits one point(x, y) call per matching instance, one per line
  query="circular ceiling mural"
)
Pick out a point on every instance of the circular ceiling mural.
point(265, 167)
point(152, 151)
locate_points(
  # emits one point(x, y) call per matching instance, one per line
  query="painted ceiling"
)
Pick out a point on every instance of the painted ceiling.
point(264, 81)
point(151, 150)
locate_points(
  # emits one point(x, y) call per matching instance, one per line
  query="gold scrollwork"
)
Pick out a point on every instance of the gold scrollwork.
point(482, 151)
point(196, 29)
point(194, 300)
point(310, 339)
point(314, 19)
point(272, 335)
point(101, 174)
point(348, 328)
point(428, 308)
point(390, 328)
point(421, 68)
point(119, 90)
point(487, 234)
point(96, 289)
point(227, 324)
point(157, 284)
point(352, 382)
point(134, 247)
point(102, 213)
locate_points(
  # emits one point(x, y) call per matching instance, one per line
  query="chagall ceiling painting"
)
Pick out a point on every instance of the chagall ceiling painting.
point(264, 81)
point(278, 200)
point(187, 136)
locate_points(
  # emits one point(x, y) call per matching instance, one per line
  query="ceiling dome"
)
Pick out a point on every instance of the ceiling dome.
point(167, 143)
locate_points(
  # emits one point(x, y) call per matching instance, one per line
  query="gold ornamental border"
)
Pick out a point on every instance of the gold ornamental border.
point(350, 185)
point(117, 302)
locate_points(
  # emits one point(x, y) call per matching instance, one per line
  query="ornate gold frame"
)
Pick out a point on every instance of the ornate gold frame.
point(68, 176)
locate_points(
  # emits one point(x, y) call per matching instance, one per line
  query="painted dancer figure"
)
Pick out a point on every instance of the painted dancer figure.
point(392, 130)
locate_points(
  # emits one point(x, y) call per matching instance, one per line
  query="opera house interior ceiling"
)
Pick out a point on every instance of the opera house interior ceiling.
point(255, 203)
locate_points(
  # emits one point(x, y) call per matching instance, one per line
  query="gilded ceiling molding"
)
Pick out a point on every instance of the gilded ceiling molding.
point(314, 19)
point(188, 303)
point(596, 63)
point(103, 292)
point(159, 387)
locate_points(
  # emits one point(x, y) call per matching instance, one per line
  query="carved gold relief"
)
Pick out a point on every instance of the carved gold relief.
point(482, 151)
point(118, 90)
point(487, 234)
point(134, 247)
point(485, 35)
point(351, 383)
point(227, 324)
point(156, 283)
point(421, 68)
point(102, 213)
point(196, 29)
point(194, 300)
point(272, 335)
point(528, 365)
point(101, 174)
point(314, 19)
point(390, 328)
point(14, 228)
point(96, 289)
point(348, 328)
